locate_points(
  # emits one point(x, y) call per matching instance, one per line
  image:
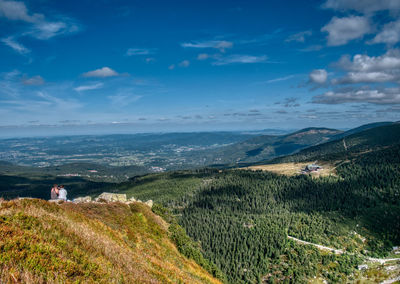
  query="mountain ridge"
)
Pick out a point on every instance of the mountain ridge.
point(270, 146)
point(374, 138)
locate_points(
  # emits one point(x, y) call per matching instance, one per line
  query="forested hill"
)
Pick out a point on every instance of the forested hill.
point(269, 146)
point(350, 146)
point(360, 129)
point(242, 218)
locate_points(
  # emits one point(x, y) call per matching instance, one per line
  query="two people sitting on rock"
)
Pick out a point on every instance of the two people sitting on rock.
point(58, 193)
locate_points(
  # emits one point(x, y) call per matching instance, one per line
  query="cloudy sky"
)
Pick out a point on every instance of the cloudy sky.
point(198, 65)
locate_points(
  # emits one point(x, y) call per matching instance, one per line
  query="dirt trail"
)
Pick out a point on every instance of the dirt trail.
point(340, 251)
point(336, 251)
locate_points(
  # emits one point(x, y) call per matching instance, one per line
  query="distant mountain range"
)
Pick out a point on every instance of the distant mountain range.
point(360, 140)
point(266, 147)
point(140, 152)
point(307, 144)
point(304, 145)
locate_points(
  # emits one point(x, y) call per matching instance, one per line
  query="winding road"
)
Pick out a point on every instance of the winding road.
point(340, 251)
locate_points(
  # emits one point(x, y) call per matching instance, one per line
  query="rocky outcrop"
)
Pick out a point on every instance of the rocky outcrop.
point(82, 199)
point(149, 203)
point(111, 197)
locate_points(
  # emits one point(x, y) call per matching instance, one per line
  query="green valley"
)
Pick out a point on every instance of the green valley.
point(257, 226)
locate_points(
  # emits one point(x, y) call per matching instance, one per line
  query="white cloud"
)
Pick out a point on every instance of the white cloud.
point(390, 34)
point(299, 37)
point(37, 102)
point(150, 60)
point(35, 81)
point(23, 102)
point(184, 63)
point(10, 41)
point(239, 58)
point(342, 30)
point(89, 87)
point(8, 84)
point(318, 76)
point(279, 79)
point(102, 73)
point(17, 11)
point(123, 99)
point(217, 44)
point(39, 27)
point(365, 77)
point(140, 51)
point(308, 116)
point(10, 75)
point(364, 63)
point(163, 119)
point(202, 56)
point(59, 102)
point(370, 69)
point(171, 67)
point(364, 6)
point(384, 96)
point(45, 30)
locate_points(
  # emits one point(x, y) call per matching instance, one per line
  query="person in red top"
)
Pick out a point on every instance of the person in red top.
point(54, 192)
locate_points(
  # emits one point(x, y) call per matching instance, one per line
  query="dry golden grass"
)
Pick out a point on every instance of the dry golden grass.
point(91, 243)
point(291, 169)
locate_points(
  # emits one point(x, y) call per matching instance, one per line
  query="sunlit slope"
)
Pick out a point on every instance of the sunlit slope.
point(291, 169)
point(42, 242)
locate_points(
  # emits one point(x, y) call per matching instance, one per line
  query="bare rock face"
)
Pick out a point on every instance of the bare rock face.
point(57, 201)
point(111, 197)
point(149, 203)
point(131, 200)
point(82, 199)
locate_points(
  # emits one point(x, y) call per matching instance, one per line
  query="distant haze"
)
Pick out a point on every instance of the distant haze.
point(105, 129)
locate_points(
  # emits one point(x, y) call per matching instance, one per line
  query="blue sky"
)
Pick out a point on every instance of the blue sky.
point(198, 65)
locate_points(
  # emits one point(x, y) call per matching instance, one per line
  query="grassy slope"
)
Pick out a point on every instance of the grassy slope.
point(291, 169)
point(95, 243)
